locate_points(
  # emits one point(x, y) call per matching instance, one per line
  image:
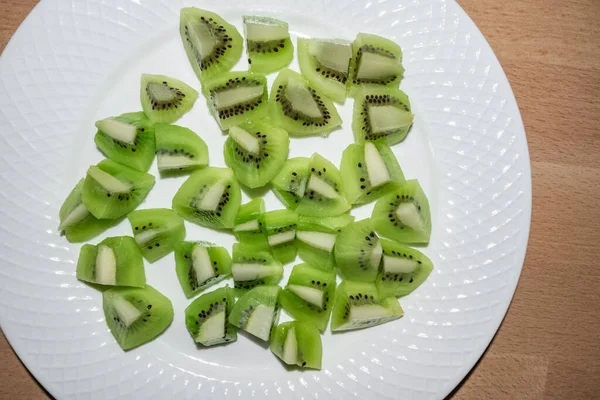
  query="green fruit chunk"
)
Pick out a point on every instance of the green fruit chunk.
point(257, 311)
point(165, 99)
point(358, 251)
point(279, 227)
point(156, 230)
point(254, 267)
point(268, 44)
point(179, 149)
point(200, 265)
point(206, 318)
point(297, 343)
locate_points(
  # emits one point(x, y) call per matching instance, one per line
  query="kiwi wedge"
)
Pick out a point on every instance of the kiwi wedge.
point(179, 149)
point(326, 65)
point(165, 99)
point(403, 215)
point(212, 45)
point(115, 261)
point(299, 108)
point(206, 318)
point(136, 315)
point(253, 267)
point(112, 190)
point(256, 152)
point(257, 311)
point(298, 343)
point(289, 184)
point(279, 227)
point(268, 44)
point(156, 230)
point(248, 224)
point(200, 265)
point(358, 251)
point(209, 197)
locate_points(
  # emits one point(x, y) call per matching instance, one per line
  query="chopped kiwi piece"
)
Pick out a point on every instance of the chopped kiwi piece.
point(206, 318)
point(403, 269)
point(156, 230)
point(299, 108)
point(213, 46)
point(200, 265)
point(209, 197)
point(279, 227)
point(358, 251)
point(248, 224)
point(166, 99)
point(136, 315)
point(257, 311)
point(326, 63)
point(289, 184)
point(359, 305)
point(115, 261)
point(253, 267)
point(256, 152)
point(268, 44)
point(403, 215)
point(179, 149)
point(112, 190)
point(298, 343)
point(309, 294)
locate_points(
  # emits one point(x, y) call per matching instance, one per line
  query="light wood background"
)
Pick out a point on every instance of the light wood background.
point(548, 346)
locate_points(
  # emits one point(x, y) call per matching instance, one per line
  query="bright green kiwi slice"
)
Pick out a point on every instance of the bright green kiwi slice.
point(279, 227)
point(289, 184)
point(403, 215)
point(165, 99)
point(248, 224)
point(179, 149)
point(136, 315)
point(112, 190)
point(156, 230)
point(369, 171)
point(297, 343)
point(358, 251)
point(206, 318)
point(309, 294)
point(299, 108)
point(268, 44)
point(212, 45)
point(257, 311)
point(256, 152)
point(115, 261)
point(252, 267)
point(359, 305)
point(326, 63)
point(200, 265)
point(403, 269)
point(209, 197)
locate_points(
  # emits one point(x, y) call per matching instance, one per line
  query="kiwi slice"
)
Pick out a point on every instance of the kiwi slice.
point(212, 45)
point(298, 343)
point(403, 215)
point(359, 305)
point(206, 318)
point(257, 311)
point(165, 99)
point(236, 97)
point(256, 152)
point(369, 171)
point(299, 108)
point(200, 265)
point(127, 140)
point(248, 224)
point(268, 44)
point(156, 230)
point(115, 261)
point(381, 115)
point(209, 197)
point(376, 61)
point(316, 237)
point(254, 267)
point(403, 269)
point(326, 63)
point(112, 190)
point(289, 184)
point(358, 251)
point(309, 294)
point(179, 149)
point(136, 315)
point(76, 222)
point(279, 227)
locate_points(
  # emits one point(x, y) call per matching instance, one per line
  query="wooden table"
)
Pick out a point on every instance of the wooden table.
point(547, 346)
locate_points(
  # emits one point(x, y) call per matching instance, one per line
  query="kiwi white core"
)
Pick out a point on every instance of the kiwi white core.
point(376, 169)
point(250, 272)
point(202, 264)
point(290, 347)
point(118, 130)
point(106, 266)
point(244, 139)
point(202, 37)
point(146, 236)
point(319, 240)
point(398, 265)
point(375, 66)
point(239, 95)
point(211, 199)
point(333, 54)
point(375, 257)
point(409, 216)
point(260, 321)
point(168, 162)
point(280, 238)
point(320, 186)
point(265, 29)
point(301, 99)
point(388, 118)
point(248, 226)
point(212, 329)
point(309, 294)
point(107, 181)
point(126, 311)
point(78, 213)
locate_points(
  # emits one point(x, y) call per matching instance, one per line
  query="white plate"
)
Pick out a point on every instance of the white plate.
point(72, 62)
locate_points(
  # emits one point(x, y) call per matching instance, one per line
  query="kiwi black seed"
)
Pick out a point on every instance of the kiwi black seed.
point(272, 46)
point(340, 76)
point(379, 100)
point(222, 38)
point(382, 52)
point(290, 112)
point(241, 108)
point(177, 95)
point(393, 206)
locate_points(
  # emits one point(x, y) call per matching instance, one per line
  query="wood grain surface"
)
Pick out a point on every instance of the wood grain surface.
point(547, 346)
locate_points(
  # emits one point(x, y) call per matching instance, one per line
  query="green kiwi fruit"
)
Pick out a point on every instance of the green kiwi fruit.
point(289, 184)
point(136, 315)
point(279, 227)
point(112, 190)
point(358, 251)
point(403, 215)
point(257, 311)
point(256, 152)
point(115, 261)
point(252, 267)
point(369, 171)
point(206, 318)
point(268, 44)
point(248, 224)
point(165, 99)
point(156, 230)
point(299, 108)
point(179, 149)
point(298, 343)
point(209, 197)
point(359, 305)
point(200, 265)
point(213, 46)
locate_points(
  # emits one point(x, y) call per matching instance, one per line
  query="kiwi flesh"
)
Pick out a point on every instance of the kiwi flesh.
point(358, 251)
point(209, 197)
point(213, 46)
point(112, 190)
point(252, 267)
point(298, 343)
point(115, 261)
point(200, 265)
point(165, 99)
point(206, 318)
point(268, 44)
point(136, 315)
point(403, 215)
point(289, 184)
point(279, 226)
point(248, 224)
point(179, 149)
point(156, 230)
point(257, 311)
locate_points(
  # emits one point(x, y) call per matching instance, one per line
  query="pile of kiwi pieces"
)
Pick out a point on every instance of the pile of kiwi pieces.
point(372, 255)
